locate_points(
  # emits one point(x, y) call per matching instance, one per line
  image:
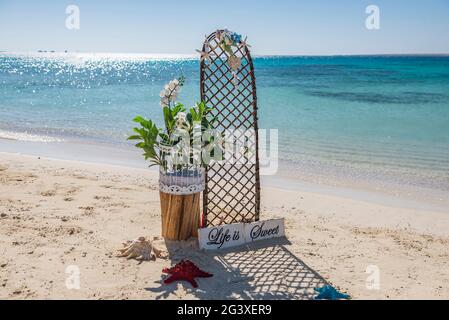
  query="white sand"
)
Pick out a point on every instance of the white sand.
point(56, 213)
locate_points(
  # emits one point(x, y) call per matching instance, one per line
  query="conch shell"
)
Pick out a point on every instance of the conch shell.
point(140, 249)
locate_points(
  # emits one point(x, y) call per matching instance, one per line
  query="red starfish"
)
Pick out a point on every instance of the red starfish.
point(185, 270)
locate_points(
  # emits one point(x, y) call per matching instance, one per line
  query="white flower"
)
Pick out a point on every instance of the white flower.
point(181, 116)
point(180, 119)
point(164, 102)
point(170, 93)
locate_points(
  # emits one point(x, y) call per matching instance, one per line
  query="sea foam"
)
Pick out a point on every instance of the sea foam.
point(23, 136)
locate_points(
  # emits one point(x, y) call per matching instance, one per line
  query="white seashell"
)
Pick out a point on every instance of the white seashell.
point(140, 249)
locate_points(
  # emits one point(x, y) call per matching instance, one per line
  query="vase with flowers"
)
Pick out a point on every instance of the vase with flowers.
point(182, 149)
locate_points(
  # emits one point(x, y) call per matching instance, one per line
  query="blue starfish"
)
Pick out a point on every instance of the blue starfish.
point(330, 293)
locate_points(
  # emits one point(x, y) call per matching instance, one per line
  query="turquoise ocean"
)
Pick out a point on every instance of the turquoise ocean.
point(374, 119)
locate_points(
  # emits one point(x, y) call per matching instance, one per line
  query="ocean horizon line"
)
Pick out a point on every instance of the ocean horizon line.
point(194, 55)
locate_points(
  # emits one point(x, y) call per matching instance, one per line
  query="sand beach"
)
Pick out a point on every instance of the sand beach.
point(55, 214)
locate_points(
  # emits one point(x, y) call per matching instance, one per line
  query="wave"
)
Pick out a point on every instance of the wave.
point(24, 136)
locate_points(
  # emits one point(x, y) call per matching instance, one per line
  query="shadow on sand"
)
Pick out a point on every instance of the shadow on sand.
point(265, 270)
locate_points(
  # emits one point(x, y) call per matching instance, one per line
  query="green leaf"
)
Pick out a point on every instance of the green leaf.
point(135, 137)
point(168, 119)
point(138, 119)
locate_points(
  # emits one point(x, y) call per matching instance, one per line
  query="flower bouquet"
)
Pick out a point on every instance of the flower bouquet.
point(182, 149)
point(227, 40)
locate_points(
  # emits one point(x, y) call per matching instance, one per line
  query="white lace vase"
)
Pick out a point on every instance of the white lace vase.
point(182, 182)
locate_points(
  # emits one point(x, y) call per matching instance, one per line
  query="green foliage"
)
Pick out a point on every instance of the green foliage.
point(170, 116)
point(155, 141)
point(182, 80)
point(151, 138)
point(148, 134)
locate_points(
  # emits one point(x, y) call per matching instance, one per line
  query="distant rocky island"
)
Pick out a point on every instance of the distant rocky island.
point(49, 51)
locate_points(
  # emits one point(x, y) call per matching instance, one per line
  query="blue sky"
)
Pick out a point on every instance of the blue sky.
point(273, 27)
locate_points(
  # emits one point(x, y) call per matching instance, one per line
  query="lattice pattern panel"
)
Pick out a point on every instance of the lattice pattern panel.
point(232, 191)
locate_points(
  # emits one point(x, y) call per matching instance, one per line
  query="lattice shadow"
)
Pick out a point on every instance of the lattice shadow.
point(272, 273)
point(260, 271)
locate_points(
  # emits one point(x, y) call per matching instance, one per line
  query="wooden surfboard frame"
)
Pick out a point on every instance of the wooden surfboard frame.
point(232, 191)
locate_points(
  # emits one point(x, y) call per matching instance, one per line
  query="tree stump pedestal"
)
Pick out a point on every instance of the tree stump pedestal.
point(180, 216)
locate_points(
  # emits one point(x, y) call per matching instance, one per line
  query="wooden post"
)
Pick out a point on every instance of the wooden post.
point(180, 216)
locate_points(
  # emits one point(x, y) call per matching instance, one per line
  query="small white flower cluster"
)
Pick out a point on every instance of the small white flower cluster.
point(181, 119)
point(170, 93)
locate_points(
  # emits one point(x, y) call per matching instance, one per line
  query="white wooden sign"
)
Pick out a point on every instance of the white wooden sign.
point(233, 235)
point(263, 230)
point(226, 236)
